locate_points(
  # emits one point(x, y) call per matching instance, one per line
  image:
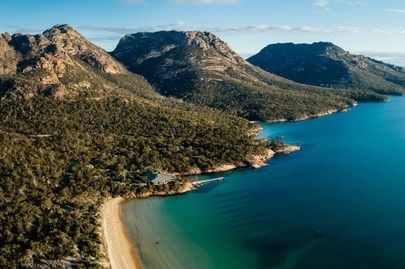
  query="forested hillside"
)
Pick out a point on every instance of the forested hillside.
point(77, 127)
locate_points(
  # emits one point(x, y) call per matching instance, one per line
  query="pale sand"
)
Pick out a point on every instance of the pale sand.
point(121, 252)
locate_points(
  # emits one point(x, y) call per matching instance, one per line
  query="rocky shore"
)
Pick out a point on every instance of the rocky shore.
point(253, 161)
point(258, 161)
point(313, 116)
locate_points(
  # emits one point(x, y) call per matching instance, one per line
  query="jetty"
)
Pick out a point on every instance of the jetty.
point(206, 181)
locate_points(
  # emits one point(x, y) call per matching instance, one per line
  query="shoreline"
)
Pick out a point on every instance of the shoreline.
point(120, 250)
point(119, 247)
point(313, 116)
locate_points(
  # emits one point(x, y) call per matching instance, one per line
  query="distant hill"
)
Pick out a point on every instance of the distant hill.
point(325, 64)
point(200, 68)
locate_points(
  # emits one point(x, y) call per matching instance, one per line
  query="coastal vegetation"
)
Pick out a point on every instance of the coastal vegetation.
point(58, 159)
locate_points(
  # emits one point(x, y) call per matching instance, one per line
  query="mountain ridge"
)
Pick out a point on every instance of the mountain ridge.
point(201, 68)
point(325, 64)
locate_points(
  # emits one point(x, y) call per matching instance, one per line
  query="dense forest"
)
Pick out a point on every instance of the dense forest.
point(58, 159)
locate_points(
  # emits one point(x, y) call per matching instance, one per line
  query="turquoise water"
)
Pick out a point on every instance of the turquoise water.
point(338, 203)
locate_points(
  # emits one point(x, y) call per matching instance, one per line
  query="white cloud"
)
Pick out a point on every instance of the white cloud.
point(325, 4)
point(397, 58)
point(203, 2)
point(110, 32)
point(389, 32)
point(132, 1)
point(187, 2)
point(351, 2)
point(396, 10)
point(320, 3)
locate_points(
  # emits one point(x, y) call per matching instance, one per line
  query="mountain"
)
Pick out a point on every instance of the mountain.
point(77, 127)
point(200, 68)
point(63, 64)
point(325, 64)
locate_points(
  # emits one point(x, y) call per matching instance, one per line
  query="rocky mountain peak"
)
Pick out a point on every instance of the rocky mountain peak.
point(174, 60)
point(65, 38)
point(202, 48)
point(211, 45)
point(60, 28)
point(59, 59)
point(52, 50)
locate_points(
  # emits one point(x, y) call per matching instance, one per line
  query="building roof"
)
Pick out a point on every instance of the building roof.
point(159, 178)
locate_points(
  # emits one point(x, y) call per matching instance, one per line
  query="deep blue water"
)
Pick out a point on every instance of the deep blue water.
point(337, 203)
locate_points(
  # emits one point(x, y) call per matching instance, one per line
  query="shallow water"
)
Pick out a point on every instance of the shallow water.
point(338, 203)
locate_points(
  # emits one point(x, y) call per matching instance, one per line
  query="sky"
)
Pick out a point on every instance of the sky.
point(372, 27)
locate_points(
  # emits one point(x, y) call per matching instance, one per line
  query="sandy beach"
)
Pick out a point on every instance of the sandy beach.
point(121, 253)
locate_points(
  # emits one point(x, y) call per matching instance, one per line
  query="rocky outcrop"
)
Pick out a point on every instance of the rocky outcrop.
point(59, 62)
point(258, 161)
point(54, 50)
point(66, 40)
point(136, 49)
point(8, 56)
point(217, 169)
point(286, 149)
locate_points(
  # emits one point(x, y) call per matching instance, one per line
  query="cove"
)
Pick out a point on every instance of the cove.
point(337, 203)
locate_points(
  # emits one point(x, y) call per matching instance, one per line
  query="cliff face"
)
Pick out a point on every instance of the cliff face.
point(201, 68)
point(59, 62)
point(325, 64)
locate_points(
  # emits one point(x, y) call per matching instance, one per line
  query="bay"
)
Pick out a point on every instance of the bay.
point(337, 203)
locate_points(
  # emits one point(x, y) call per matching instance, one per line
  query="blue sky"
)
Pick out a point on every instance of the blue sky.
point(373, 27)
